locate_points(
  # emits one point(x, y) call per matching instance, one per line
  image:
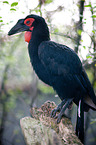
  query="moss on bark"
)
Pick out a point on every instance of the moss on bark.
point(44, 130)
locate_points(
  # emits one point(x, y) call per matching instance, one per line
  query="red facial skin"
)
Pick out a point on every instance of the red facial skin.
point(28, 34)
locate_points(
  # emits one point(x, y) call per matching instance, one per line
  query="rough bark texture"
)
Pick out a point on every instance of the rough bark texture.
point(44, 130)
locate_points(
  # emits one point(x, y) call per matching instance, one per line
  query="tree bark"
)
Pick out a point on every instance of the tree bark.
point(79, 24)
point(44, 130)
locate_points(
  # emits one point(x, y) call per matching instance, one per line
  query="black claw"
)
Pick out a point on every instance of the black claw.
point(52, 113)
point(55, 117)
point(61, 107)
point(58, 120)
point(59, 117)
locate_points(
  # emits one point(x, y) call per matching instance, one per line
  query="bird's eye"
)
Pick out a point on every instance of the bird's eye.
point(29, 21)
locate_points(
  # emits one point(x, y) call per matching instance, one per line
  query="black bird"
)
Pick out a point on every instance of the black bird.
point(58, 66)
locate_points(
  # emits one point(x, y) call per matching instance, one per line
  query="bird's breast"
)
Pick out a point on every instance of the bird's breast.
point(41, 71)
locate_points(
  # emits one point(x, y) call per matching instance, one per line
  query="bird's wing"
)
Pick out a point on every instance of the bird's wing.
point(59, 59)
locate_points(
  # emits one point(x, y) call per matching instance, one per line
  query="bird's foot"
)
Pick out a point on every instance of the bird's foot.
point(61, 107)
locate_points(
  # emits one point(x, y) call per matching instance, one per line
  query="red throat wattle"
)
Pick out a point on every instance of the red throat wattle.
point(28, 36)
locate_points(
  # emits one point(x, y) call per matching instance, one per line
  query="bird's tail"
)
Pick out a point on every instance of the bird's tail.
point(88, 103)
point(80, 121)
point(90, 99)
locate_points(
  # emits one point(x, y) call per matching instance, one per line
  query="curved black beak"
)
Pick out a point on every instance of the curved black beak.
point(19, 27)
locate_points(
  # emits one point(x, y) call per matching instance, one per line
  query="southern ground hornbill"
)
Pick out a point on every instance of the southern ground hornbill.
point(58, 66)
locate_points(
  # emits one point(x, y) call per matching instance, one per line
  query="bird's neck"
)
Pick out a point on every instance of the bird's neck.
point(38, 36)
point(33, 47)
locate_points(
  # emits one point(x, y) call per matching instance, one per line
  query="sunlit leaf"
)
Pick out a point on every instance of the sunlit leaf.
point(23, 12)
point(1, 20)
point(0, 17)
point(94, 7)
point(87, 6)
point(93, 31)
point(37, 10)
point(94, 16)
point(12, 9)
point(5, 2)
point(56, 30)
point(48, 1)
point(79, 31)
point(14, 4)
point(81, 40)
point(88, 56)
point(84, 47)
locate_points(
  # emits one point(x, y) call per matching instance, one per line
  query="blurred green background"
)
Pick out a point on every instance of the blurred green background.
point(71, 22)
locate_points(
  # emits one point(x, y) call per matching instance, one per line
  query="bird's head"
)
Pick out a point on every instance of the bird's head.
point(28, 24)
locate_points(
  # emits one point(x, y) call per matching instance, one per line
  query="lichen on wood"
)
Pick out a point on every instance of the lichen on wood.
point(44, 130)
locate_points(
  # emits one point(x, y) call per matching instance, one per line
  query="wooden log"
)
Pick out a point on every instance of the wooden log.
point(44, 130)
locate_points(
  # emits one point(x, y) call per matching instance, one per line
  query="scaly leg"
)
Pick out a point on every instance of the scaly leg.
point(61, 107)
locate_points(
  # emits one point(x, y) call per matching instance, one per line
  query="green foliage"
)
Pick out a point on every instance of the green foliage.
point(94, 16)
point(93, 121)
point(88, 56)
point(12, 9)
point(5, 2)
point(37, 10)
point(56, 30)
point(79, 32)
point(90, 74)
point(84, 47)
point(11, 103)
point(48, 1)
point(1, 20)
point(14, 4)
point(88, 5)
point(93, 31)
point(46, 89)
point(9, 100)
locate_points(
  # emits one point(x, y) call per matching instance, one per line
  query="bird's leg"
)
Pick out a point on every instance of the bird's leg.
point(59, 107)
point(63, 106)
